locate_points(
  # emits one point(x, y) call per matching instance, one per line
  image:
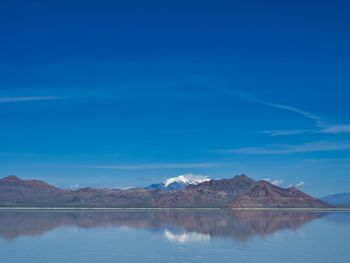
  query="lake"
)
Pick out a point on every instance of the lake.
point(174, 236)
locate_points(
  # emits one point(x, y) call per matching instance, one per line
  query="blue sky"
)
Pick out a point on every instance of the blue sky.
point(126, 94)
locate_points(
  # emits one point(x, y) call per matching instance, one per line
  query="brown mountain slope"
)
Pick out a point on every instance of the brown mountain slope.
point(14, 191)
point(265, 195)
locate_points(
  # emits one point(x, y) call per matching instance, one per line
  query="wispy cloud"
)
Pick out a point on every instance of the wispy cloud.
point(27, 98)
point(326, 129)
point(306, 114)
point(277, 182)
point(336, 129)
point(285, 132)
point(300, 184)
point(321, 146)
point(155, 166)
point(252, 99)
point(280, 182)
point(321, 126)
point(326, 160)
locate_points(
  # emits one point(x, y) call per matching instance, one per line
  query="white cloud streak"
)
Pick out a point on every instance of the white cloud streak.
point(320, 125)
point(306, 114)
point(321, 146)
point(285, 132)
point(336, 129)
point(325, 129)
point(27, 99)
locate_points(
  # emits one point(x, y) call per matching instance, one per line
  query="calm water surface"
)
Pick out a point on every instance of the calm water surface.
point(174, 236)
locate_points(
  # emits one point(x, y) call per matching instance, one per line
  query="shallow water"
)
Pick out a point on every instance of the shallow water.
point(174, 236)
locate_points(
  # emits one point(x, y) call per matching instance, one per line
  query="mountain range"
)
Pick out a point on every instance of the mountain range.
point(237, 192)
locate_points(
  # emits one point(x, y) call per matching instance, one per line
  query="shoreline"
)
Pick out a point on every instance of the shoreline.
point(157, 209)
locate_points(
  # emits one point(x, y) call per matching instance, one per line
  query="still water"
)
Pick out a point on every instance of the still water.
point(174, 236)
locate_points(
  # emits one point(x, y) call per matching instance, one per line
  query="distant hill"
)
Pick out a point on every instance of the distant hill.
point(339, 199)
point(237, 192)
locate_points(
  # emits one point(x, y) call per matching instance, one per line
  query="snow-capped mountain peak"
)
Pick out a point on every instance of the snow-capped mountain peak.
point(180, 182)
point(186, 179)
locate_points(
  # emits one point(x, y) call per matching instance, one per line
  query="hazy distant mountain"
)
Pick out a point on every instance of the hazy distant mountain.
point(237, 192)
point(179, 182)
point(339, 199)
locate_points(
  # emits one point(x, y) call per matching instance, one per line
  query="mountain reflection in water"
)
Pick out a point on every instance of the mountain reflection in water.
point(177, 225)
